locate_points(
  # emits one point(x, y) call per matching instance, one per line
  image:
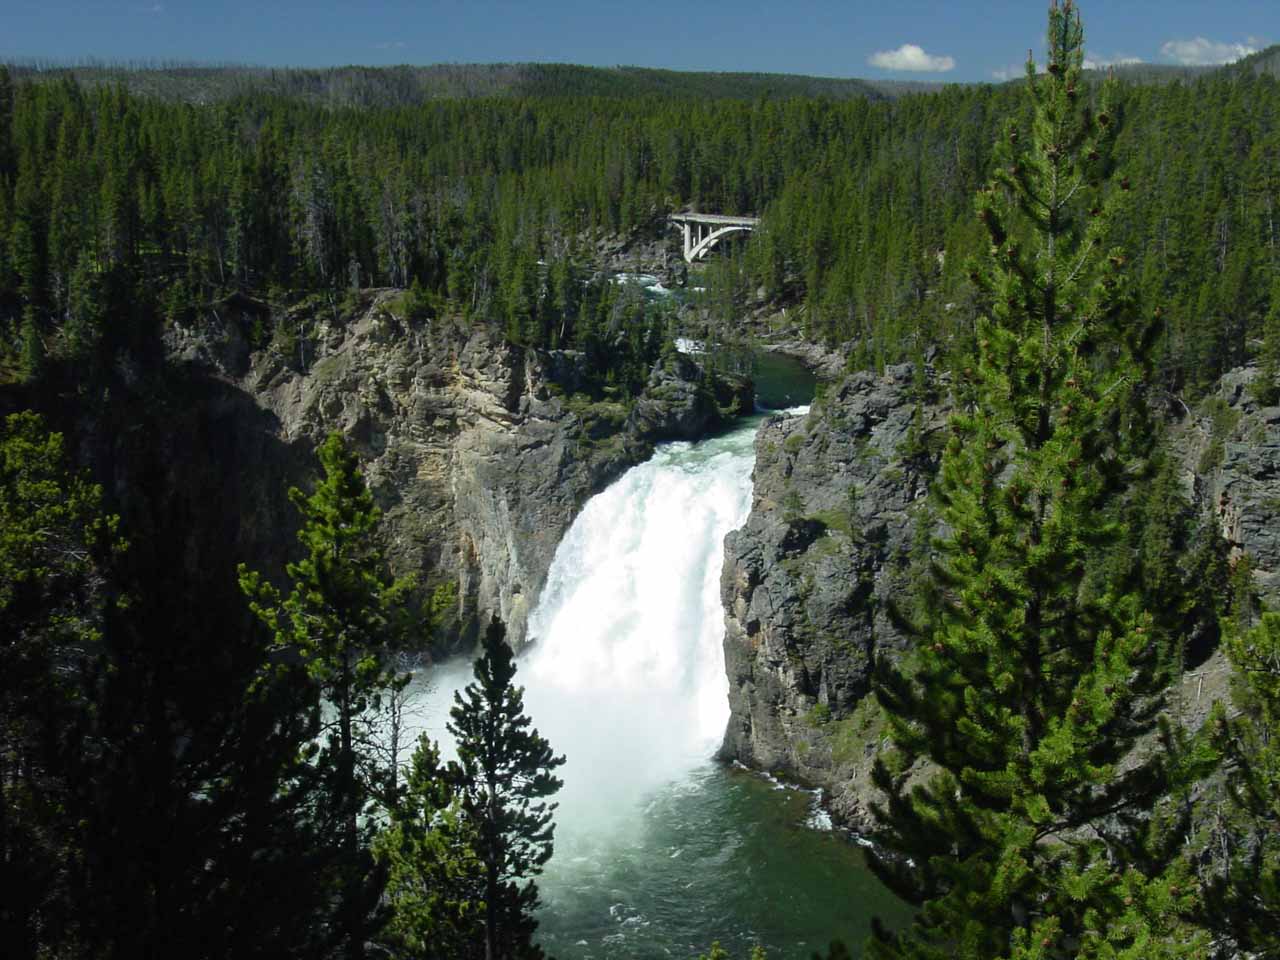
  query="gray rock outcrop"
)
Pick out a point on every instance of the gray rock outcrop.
point(808, 579)
point(679, 403)
point(838, 520)
point(1229, 447)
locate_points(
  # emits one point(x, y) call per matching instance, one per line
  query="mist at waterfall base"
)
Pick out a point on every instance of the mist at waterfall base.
point(659, 850)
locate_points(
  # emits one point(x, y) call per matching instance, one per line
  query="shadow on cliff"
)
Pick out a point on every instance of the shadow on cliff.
point(197, 472)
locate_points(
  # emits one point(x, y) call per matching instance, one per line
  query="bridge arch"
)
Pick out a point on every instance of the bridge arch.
point(710, 240)
point(702, 231)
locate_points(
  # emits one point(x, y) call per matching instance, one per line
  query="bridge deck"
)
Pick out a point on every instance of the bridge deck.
point(715, 218)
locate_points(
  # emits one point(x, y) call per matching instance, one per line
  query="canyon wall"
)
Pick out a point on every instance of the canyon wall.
point(840, 524)
point(479, 452)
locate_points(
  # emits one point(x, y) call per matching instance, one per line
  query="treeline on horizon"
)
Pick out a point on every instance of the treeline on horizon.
point(120, 212)
point(407, 85)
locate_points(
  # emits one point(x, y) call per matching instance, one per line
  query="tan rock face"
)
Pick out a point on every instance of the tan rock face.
point(477, 462)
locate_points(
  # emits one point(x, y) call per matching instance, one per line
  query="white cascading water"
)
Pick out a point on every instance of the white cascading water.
point(626, 672)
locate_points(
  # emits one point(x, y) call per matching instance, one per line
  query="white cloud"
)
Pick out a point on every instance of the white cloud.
point(390, 45)
point(913, 58)
point(1008, 73)
point(1201, 52)
point(1092, 62)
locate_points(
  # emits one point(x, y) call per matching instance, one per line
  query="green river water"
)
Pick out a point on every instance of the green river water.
point(722, 855)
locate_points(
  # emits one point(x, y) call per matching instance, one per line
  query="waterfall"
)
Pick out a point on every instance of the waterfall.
point(659, 851)
point(626, 672)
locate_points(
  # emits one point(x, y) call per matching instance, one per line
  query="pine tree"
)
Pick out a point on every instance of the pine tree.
point(1266, 387)
point(83, 327)
point(6, 121)
point(56, 543)
point(436, 882)
point(31, 359)
point(505, 770)
point(26, 240)
point(1244, 903)
point(1034, 671)
point(342, 618)
point(148, 803)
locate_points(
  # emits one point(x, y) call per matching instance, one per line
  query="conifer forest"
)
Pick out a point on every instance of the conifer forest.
point(313, 383)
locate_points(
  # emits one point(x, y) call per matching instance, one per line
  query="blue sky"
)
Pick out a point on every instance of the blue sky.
point(907, 39)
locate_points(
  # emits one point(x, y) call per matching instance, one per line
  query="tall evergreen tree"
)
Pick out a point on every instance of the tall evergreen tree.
point(6, 121)
point(342, 618)
point(1034, 670)
point(1243, 903)
point(505, 770)
point(148, 795)
point(55, 545)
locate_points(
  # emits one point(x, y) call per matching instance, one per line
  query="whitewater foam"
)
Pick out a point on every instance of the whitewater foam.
point(626, 673)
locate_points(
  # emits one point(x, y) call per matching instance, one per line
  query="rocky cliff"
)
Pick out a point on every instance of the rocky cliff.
point(1229, 451)
point(838, 494)
point(838, 520)
point(479, 452)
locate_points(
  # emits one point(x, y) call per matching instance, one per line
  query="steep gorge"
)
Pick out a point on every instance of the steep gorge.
point(481, 454)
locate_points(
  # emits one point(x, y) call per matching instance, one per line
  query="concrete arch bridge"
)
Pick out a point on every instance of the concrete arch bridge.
point(702, 231)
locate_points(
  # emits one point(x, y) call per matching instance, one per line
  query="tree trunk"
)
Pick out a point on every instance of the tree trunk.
point(350, 909)
point(491, 885)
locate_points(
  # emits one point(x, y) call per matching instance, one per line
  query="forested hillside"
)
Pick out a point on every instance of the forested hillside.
point(119, 211)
